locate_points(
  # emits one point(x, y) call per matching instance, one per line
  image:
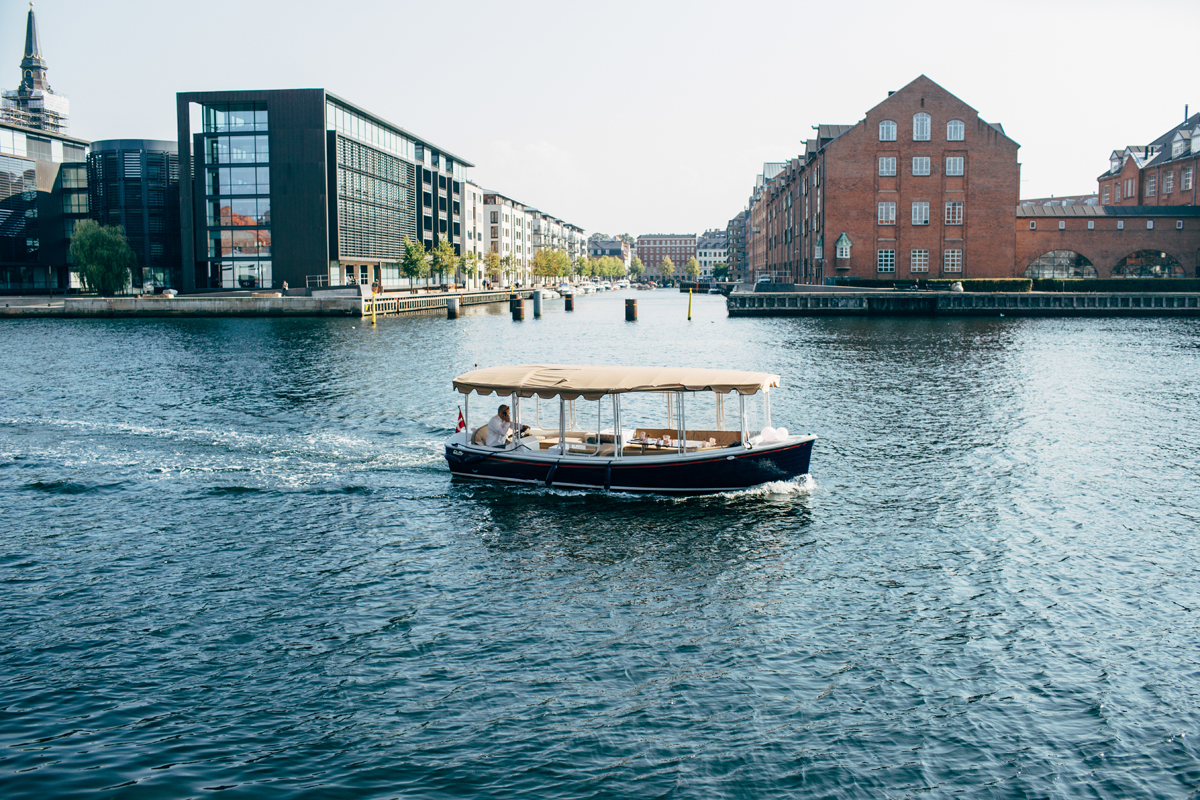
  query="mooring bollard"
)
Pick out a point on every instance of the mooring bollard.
point(518, 310)
point(537, 303)
point(512, 300)
point(630, 310)
point(570, 302)
point(451, 308)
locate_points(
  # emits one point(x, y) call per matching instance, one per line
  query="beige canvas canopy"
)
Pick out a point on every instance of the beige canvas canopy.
point(594, 382)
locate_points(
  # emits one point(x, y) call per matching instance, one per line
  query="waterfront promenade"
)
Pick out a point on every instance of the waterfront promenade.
point(342, 302)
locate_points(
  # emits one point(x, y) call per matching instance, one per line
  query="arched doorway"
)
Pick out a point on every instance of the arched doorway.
point(1148, 264)
point(1061, 264)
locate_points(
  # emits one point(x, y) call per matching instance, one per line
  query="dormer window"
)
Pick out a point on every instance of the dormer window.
point(1177, 148)
point(921, 127)
point(1114, 164)
point(887, 131)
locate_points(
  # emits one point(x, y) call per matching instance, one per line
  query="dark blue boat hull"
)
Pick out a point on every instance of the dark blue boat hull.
point(726, 470)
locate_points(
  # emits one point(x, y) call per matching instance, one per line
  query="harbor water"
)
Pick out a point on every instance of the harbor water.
point(233, 559)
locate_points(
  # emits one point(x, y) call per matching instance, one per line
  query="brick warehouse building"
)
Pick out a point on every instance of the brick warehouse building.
point(921, 187)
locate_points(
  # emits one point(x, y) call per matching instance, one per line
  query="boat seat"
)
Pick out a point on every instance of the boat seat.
point(480, 435)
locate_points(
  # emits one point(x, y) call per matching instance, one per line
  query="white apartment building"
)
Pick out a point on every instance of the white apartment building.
point(508, 231)
point(473, 225)
point(712, 248)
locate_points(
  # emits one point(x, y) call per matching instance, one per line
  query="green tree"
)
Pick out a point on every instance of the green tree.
point(626, 238)
point(636, 268)
point(544, 264)
point(598, 237)
point(583, 267)
point(444, 259)
point(508, 265)
point(667, 267)
point(721, 271)
point(562, 263)
point(470, 266)
point(102, 257)
point(491, 263)
point(415, 264)
point(692, 268)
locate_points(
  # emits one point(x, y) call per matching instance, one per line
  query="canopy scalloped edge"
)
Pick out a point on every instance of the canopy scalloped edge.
point(593, 382)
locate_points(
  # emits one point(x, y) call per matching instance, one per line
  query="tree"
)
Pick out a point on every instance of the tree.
point(721, 271)
point(692, 268)
point(562, 262)
point(470, 265)
point(636, 268)
point(544, 264)
point(667, 267)
point(599, 237)
point(414, 264)
point(102, 257)
point(491, 263)
point(508, 264)
point(626, 238)
point(583, 267)
point(444, 259)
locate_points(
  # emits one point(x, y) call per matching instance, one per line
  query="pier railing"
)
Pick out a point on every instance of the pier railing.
point(963, 304)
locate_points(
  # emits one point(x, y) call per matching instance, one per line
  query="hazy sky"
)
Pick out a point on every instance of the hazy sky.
point(637, 117)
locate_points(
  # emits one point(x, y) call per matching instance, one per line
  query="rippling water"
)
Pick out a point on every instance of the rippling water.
point(233, 559)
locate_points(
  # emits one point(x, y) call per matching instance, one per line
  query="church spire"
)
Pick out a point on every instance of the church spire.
point(33, 66)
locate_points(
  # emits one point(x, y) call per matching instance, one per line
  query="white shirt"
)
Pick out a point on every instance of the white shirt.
point(498, 431)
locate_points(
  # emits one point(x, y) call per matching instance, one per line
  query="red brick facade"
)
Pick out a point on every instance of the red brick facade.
point(921, 188)
point(1108, 236)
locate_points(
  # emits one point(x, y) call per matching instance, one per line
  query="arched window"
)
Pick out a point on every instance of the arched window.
point(887, 131)
point(955, 130)
point(1148, 264)
point(921, 127)
point(1061, 264)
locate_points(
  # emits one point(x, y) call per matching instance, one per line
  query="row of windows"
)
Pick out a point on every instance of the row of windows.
point(920, 166)
point(921, 124)
point(235, 117)
point(243, 242)
point(243, 212)
point(237, 180)
point(918, 261)
point(1091, 226)
point(920, 212)
point(236, 150)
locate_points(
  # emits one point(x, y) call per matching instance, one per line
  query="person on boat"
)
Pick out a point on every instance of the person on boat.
point(499, 427)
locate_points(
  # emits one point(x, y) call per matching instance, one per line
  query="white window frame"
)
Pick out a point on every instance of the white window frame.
point(887, 213)
point(955, 218)
point(1062, 225)
point(952, 260)
point(955, 126)
point(842, 251)
point(954, 165)
point(920, 212)
point(1185, 180)
point(921, 125)
point(1149, 224)
point(1091, 224)
point(920, 166)
point(1104, 195)
point(887, 131)
point(1178, 224)
point(918, 260)
point(887, 166)
point(885, 261)
point(1169, 183)
point(1120, 224)
point(1033, 224)
point(1152, 186)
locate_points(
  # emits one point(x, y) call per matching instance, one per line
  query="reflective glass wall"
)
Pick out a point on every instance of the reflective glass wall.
point(237, 190)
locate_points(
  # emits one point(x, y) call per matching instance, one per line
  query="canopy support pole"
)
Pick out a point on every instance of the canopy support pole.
point(742, 423)
point(682, 426)
point(767, 407)
point(618, 434)
point(562, 426)
point(467, 414)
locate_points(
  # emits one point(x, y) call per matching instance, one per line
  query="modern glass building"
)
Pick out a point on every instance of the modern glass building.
point(299, 185)
point(43, 195)
point(134, 183)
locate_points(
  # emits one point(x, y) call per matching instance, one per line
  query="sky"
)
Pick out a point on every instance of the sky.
point(636, 116)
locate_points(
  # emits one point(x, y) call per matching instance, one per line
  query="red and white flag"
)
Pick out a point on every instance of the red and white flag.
point(462, 423)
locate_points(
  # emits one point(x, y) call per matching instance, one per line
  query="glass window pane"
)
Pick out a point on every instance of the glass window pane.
point(262, 149)
point(264, 180)
point(244, 212)
point(260, 119)
point(241, 149)
point(242, 180)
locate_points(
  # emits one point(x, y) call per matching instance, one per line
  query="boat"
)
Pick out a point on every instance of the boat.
point(577, 437)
